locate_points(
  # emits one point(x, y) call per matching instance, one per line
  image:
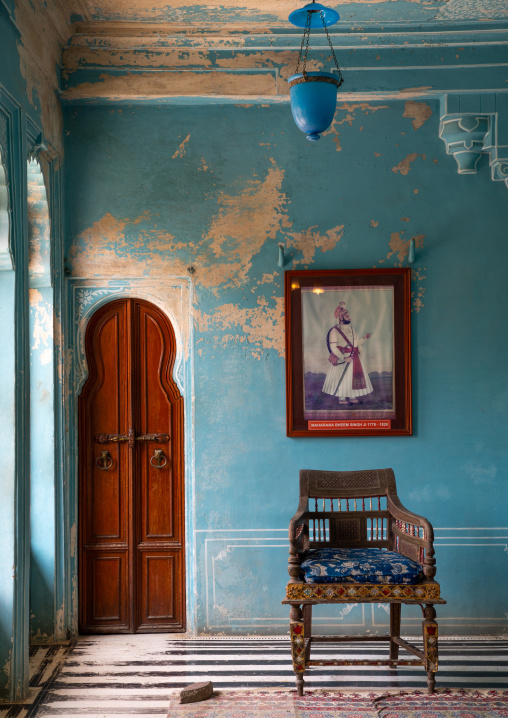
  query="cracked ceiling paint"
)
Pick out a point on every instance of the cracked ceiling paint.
point(229, 11)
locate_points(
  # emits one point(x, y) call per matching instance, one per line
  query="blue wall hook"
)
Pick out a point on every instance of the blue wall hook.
point(281, 261)
point(412, 247)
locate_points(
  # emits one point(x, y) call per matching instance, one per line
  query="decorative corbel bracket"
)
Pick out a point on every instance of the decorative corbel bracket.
point(39, 145)
point(476, 124)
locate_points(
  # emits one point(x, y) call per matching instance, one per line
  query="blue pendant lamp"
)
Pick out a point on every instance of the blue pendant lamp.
point(313, 94)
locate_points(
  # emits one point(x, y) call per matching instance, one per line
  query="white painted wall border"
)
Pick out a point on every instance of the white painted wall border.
point(217, 541)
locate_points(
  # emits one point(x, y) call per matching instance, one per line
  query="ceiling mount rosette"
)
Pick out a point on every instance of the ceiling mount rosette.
point(320, 15)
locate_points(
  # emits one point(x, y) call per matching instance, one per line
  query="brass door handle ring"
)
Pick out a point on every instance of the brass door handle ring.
point(157, 459)
point(104, 458)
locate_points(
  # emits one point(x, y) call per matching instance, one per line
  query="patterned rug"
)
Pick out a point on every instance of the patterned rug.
point(277, 704)
point(444, 704)
point(286, 704)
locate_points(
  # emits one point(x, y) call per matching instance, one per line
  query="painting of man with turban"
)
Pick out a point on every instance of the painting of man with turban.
point(347, 377)
point(348, 363)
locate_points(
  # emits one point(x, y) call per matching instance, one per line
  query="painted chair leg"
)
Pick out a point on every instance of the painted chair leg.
point(430, 645)
point(431, 682)
point(307, 627)
point(395, 611)
point(297, 632)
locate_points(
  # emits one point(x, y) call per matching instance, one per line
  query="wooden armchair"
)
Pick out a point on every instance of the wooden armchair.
point(352, 541)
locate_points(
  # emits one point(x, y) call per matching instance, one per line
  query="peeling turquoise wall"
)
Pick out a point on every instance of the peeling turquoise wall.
point(152, 190)
point(20, 127)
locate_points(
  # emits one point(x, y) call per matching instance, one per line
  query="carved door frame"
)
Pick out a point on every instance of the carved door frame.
point(174, 299)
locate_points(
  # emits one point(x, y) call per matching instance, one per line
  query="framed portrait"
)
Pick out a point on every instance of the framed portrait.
point(348, 352)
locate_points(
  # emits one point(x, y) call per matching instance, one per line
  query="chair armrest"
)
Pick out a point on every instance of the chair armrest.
point(399, 512)
point(413, 536)
point(298, 538)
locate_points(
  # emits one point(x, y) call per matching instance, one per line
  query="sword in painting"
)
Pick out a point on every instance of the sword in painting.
point(340, 380)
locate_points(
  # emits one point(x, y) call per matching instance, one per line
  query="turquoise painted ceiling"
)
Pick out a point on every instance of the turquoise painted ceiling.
point(446, 12)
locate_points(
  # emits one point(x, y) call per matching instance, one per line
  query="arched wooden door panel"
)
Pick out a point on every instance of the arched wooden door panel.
point(131, 537)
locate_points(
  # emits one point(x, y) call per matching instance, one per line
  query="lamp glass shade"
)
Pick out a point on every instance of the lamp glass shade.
point(313, 101)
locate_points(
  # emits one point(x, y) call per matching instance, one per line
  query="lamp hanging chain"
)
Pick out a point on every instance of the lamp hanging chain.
point(305, 41)
point(341, 79)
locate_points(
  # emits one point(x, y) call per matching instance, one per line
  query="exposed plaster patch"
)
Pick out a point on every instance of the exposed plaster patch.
point(350, 110)
point(83, 56)
point(420, 112)
point(246, 220)
point(262, 325)
point(282, 60)
point(243, 223)
point(181, 148)
point(225, 11)
point(146, 85)
point(44, 30)
point(99, 242)
point(288, 68)
point(400, 246)
point(40, 637)
point(105, 244)
point(462, 9)
point(268, 278)
point(309, 241)
point(418, 294)
point(35, 261)
point(204, 166)
point(336, 139)
point(42, 324)
point(421, 90)
point(405, 165)
point(373, 223)
point(160, 241)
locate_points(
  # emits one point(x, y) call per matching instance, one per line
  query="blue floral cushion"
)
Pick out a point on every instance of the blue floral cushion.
point(357, 565)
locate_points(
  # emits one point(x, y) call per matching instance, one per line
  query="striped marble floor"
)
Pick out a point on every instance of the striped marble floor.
point(125, 675)
point(44, 663)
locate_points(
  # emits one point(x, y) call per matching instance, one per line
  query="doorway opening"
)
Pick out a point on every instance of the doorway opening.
point(42, 411)
point(131, 476)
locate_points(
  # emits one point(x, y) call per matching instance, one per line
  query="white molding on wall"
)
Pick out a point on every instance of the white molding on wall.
point(221, 541)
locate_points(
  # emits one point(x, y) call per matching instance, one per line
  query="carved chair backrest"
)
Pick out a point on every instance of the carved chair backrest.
point(350, 509)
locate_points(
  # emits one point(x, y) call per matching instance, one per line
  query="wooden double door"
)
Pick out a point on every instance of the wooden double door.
point(131, 517)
